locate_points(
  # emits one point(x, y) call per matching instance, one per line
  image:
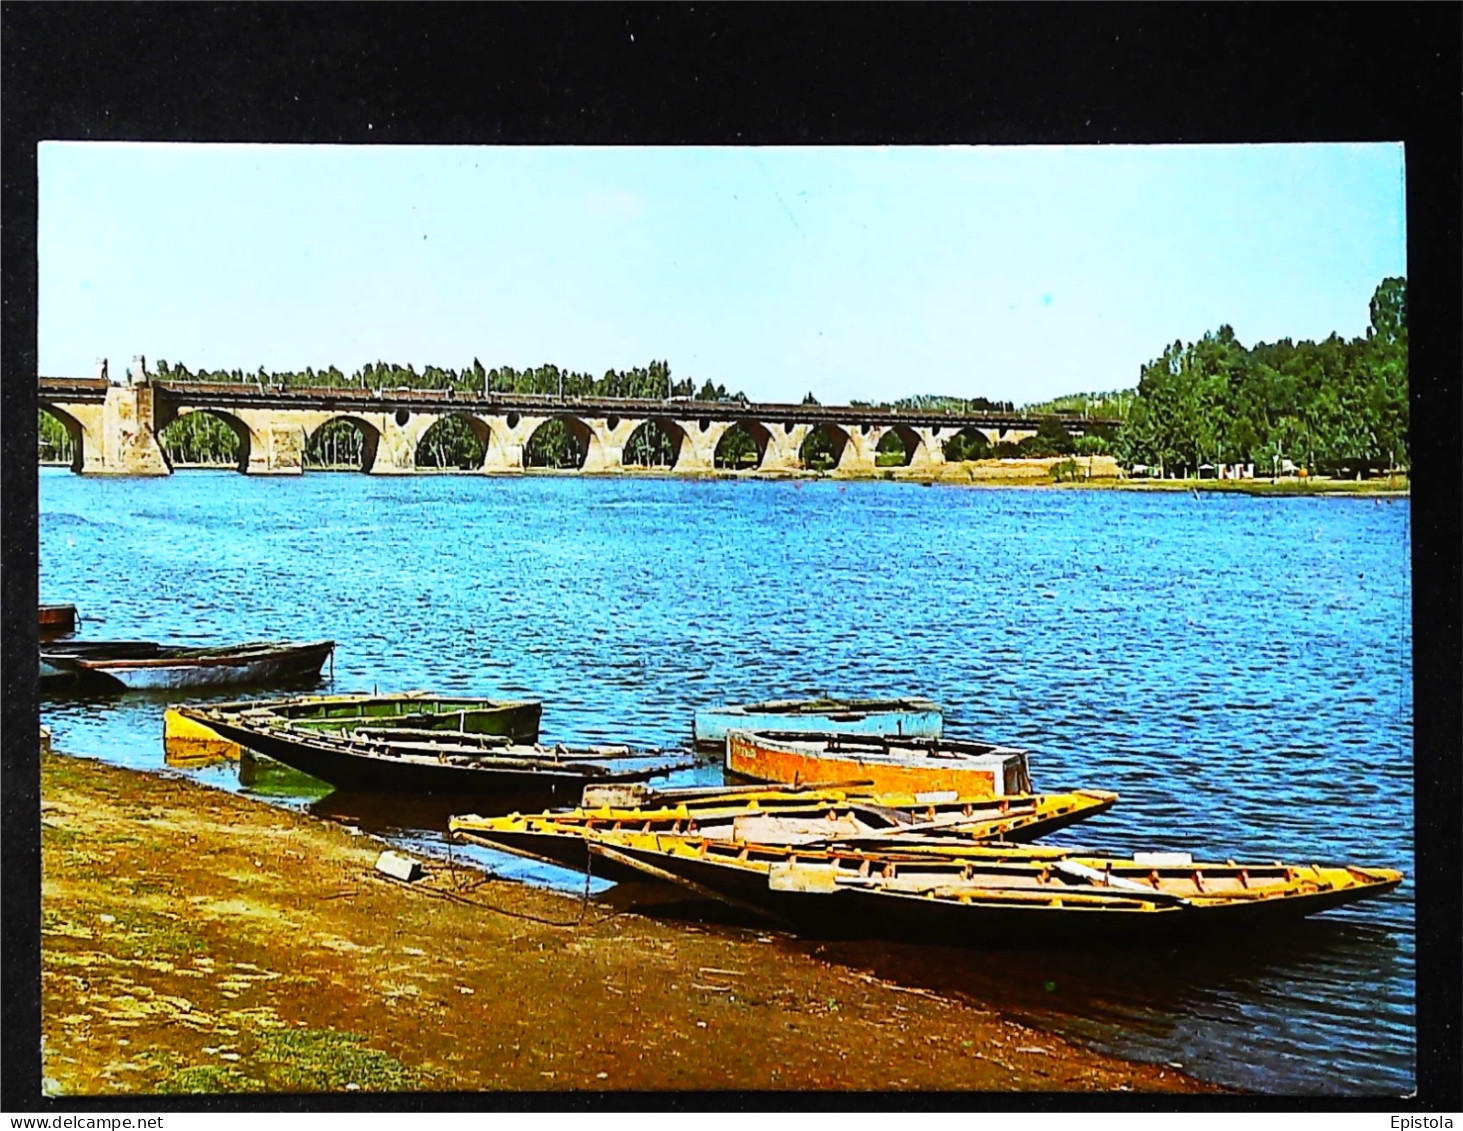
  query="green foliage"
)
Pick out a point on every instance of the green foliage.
point(928, 402)
point(817, 452)
point(1093, 406)
point(651, 382)
point(1067, 470)
point(53, 440)
point(968, 444)
point(1315, 403)
point(737, 449)
point(339, 443)
point(650, 446)
point(451, 443)
point(200, 438)
point(892, 451)
point(1051, 439)
point(554, 445)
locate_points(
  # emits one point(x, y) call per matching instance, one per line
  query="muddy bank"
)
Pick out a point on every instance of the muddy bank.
point(197, 941)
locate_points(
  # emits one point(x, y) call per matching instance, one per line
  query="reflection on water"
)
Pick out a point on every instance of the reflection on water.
point(1237, 669)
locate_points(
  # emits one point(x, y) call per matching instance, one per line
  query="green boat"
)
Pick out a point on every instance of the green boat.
point(515, 719)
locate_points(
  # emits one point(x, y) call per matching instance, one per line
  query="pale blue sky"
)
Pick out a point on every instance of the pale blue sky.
point(1012, 273)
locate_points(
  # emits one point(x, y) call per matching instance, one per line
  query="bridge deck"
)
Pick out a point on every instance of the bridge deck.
point(353, 398)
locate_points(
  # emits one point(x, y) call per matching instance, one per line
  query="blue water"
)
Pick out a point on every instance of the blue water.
point(1238, 669)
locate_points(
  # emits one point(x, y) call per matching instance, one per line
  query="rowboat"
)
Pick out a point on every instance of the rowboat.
point(890, 764)
point(790, 816)
point(980, 895)
point(57, 620)
point(913, 716)
point(188, 734)
point(390, 752)
point(57, 671)
point(148, 666)
point(517, 719)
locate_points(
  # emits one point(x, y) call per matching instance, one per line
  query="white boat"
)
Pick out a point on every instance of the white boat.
point(916, 717)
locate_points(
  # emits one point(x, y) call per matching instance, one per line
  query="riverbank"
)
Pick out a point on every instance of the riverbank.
point(198, 941)
point(1097, 473)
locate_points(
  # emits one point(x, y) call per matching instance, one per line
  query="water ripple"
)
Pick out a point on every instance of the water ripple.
point(1238, 669)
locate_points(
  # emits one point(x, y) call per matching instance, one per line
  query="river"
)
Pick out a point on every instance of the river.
point(1238, 668)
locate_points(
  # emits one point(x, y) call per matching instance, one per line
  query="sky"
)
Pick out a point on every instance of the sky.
point(869, 273)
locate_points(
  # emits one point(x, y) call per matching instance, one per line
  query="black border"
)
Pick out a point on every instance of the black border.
point(753, 74)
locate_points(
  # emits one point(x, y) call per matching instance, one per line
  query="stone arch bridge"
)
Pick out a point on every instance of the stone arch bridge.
point(114, 428)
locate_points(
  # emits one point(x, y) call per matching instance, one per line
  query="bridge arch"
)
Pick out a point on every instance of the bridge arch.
point(74, 450)
point(341, 443)
point(195, 432)
point(457, 440)
point(561, 443)
point(971, 443)
point(655, 443)
point(743, 446)
point(897, 446)
point(823, 447)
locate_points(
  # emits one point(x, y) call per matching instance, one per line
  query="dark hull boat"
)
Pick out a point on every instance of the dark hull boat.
point(993, 895)
point(138, 665)
point(787, 816)
point(57, 620)
point(428, 760)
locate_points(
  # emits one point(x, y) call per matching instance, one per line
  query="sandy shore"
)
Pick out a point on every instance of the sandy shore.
point(197, 941)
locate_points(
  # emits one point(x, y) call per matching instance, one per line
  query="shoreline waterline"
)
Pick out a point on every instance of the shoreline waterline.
point(950, 475)
point(177, 965)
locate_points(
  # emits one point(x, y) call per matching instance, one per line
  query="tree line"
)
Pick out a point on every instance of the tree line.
point(1320, 405)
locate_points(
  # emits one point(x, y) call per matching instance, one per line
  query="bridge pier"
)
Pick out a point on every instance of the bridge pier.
point(698, 448)
point(606, 452)
point(857, 458)
point(784, 448)
point(397, 440)
point(122, 440)
point(276, 443)
point(930, 454)
point(506, 442)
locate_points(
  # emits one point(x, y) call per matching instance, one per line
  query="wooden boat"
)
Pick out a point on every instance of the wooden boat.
point(381, 751)
point(517, 719)
point(57, 620)
point(789, 816)
point(891, 764)
point(147, 666)
point(973, 895)
point(188, 738)
point(913, 716)
point(58, 672)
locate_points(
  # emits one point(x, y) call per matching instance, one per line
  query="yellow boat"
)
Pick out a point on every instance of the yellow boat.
point(982, 895)
point(891, 763)
point(843, 815)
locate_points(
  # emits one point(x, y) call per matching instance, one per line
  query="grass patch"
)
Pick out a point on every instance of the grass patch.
point(324, 1060)
point(291, 1060)
point(150, 935)
point(208, 1079)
